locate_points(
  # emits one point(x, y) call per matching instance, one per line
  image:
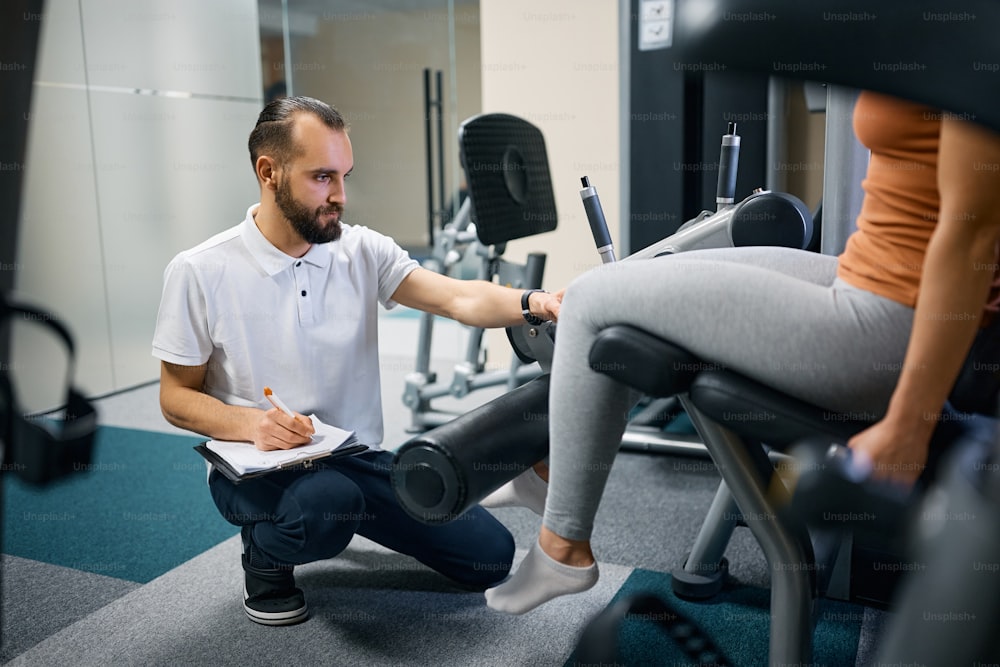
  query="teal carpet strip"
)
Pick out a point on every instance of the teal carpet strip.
point(737, 620)
point(141, 508)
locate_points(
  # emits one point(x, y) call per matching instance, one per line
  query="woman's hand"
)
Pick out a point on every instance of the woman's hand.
point(894, 451)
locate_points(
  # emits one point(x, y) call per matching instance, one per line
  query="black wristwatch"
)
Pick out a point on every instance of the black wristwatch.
point(526, 312)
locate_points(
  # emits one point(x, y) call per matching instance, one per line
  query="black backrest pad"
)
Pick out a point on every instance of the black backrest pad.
point(507, 172)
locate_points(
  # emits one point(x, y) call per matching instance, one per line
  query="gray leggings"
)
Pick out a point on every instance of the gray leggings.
point(774, 314)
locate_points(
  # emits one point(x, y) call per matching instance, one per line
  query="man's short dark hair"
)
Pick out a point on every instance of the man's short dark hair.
point(273, 133)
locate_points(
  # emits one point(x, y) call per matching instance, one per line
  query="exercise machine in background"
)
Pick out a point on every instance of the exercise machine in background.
point(445, 471)
point(764, 218)
point(509, 197)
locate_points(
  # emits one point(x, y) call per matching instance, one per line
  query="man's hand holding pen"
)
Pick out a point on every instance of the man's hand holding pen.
point(280, 427)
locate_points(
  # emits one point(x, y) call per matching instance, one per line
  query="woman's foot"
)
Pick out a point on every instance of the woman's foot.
point(554, 566)
point(528, 489)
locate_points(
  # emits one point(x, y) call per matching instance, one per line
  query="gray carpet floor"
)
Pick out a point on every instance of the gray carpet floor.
point(369, 606)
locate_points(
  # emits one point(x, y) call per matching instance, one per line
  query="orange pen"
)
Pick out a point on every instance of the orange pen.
point(278, 403)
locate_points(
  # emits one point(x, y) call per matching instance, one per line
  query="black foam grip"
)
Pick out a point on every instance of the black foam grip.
point(442, 473)
point(728, 163)
point(598, 224)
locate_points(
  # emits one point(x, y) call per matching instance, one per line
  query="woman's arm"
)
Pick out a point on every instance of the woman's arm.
point(957, 272)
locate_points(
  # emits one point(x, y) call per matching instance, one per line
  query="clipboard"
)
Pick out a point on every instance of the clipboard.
point(306, 462)
point(238, 461)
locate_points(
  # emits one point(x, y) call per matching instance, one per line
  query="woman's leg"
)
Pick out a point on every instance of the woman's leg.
point(774, 314)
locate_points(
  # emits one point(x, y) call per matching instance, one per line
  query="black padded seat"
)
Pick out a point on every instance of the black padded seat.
point(660, 368)
point(742, 418)
point(739, 418)
point(754, 410)
point(762, 413)
point(646, 362)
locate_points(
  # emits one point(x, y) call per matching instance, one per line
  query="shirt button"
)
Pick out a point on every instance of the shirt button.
point(303, 292)
point(298, 263)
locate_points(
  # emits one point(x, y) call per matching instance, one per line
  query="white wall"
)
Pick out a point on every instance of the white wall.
point(556, 64)
point(137, 150)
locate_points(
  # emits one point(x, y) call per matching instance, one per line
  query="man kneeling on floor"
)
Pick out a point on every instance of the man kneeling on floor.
point(289, 298)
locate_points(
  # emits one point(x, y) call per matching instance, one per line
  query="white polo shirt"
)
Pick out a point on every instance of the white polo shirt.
point(306, 327)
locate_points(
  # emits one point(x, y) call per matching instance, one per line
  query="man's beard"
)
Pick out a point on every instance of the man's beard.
point(304, 221)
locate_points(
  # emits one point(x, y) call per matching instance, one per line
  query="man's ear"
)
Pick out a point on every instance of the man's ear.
point(267, 172)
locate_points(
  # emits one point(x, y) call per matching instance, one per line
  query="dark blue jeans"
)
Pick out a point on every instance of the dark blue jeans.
point(300, 516)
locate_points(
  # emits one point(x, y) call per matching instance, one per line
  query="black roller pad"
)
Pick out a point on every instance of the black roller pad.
point(772, 219)
point(442, 473)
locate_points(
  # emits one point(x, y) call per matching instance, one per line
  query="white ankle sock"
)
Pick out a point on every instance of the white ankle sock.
point(538, 579)
point(526, 490)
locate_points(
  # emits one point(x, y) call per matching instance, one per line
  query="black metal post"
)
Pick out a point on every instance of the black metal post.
point(439, 102)
point(428, 110)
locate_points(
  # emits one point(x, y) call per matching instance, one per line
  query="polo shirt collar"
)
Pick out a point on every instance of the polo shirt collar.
point(272, 260)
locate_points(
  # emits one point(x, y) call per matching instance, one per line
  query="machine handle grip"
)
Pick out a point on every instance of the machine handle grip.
point(729, 160)
point(598, 225)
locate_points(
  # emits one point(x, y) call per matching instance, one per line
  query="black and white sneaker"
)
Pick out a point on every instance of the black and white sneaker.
point(269, 594)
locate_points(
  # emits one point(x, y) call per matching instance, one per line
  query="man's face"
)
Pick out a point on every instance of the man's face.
point(315, 225)
point(310, 189)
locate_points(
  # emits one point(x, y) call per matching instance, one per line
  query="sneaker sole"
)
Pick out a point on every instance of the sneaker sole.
point(276, 617)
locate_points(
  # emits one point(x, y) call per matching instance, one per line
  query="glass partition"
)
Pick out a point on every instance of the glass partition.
point(148, 109)
point(404, 73)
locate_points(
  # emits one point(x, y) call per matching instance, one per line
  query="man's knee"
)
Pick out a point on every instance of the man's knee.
point(496, 563)
point(491, 560)
point(315, 519)
point(322, 530)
